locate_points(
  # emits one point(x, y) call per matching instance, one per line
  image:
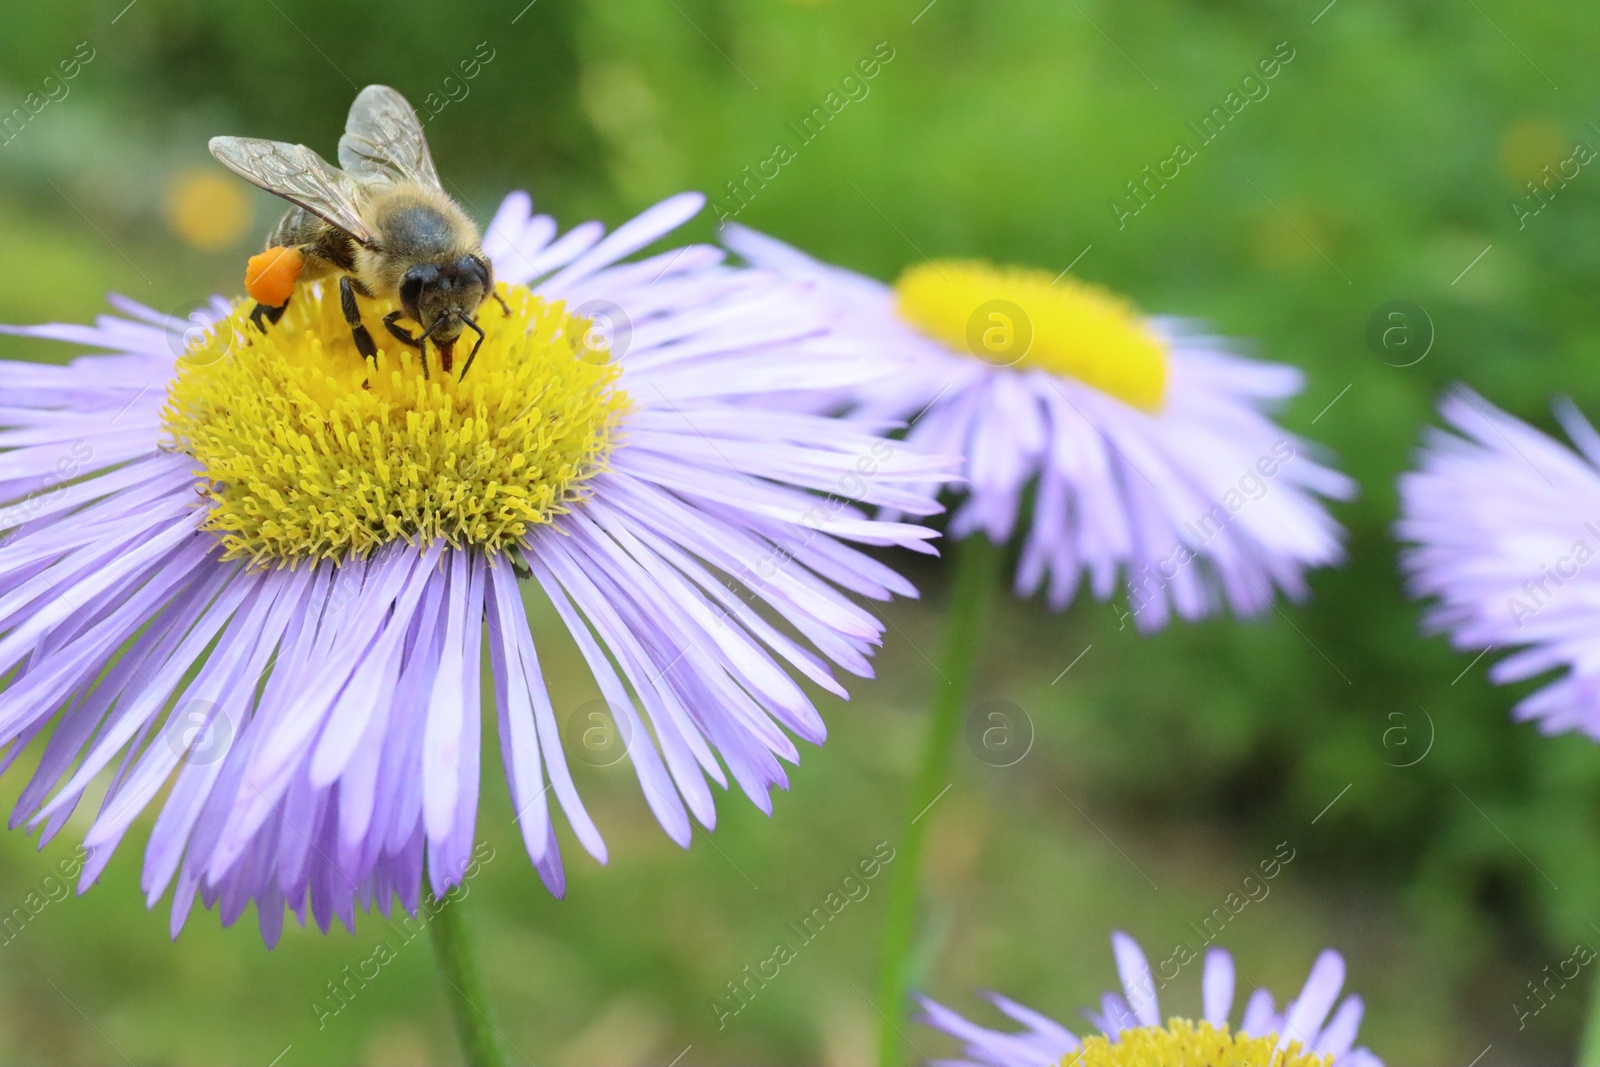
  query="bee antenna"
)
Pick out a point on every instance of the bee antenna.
point(468, 321)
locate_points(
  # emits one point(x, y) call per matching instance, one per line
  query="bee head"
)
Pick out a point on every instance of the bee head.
point(440, 295)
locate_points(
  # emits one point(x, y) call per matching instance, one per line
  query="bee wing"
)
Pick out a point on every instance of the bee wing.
point(300, 176)
point(383, 140)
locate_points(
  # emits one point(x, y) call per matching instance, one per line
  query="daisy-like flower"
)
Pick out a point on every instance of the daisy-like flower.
point(1143, 441)
point(1136, 451)
point(1132, 1034)
point(1505, 527)
point(261, 570)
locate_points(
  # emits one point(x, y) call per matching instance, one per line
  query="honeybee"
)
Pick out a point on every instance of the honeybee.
point(383, 224)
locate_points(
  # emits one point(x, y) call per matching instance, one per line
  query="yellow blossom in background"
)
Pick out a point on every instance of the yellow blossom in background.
point(206, 210)
point(1529, 145)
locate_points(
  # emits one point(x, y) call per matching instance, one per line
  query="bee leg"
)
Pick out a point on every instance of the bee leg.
point(400, 332)
point(474, 353)
point(502, 301)
point(268, 313)
point(352, 315)
point(405, 336)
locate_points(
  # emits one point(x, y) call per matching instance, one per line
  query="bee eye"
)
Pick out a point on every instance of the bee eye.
point(472, 267)
point(411, 286)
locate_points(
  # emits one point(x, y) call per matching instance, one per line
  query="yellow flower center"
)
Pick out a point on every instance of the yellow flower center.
point(1184, 1044)
point(1017, 316)
point(308, 451)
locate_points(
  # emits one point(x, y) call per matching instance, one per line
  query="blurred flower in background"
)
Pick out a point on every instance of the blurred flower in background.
point(1132, 1034)
point(1141, 443)
point(1528, 146)
point(1140, 446)
point(207, 209)
point(1504, 527)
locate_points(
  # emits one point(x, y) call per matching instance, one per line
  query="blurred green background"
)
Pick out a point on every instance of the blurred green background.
point(1460, 855)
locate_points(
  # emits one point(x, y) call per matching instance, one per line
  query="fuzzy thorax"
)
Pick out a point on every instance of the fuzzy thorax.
point(1020, 317)
point(306, 451)
point(1182, 1043)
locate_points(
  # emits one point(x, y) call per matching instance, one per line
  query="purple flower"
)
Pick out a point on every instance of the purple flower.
point(1505, 527)
point(1131, 1030)
point(1142, 442)
point(265, 573)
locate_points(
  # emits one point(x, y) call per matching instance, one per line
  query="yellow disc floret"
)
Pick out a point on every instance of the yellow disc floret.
point(1016, 316)
point(307, 451)
point(1182, 1043)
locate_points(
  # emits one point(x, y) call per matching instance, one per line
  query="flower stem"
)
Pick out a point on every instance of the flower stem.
point(458, 967)
point(977, 564)
point(1589, 1048)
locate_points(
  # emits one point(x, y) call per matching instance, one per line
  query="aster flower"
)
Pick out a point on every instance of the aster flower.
point(1504, 523)
point(1136, 451)
point(1143, 441)
point(262, 570)
point(1131, 1032)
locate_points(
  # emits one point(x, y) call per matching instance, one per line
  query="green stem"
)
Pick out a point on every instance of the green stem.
point(1589, 1048)
point(977, 566)
point(463, 982)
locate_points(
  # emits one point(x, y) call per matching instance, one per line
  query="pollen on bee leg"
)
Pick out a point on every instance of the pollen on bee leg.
point(269, 276)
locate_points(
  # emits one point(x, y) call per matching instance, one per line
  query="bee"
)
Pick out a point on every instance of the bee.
point(383, 224)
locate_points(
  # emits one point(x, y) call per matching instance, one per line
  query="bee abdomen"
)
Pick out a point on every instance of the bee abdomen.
point(297, 227)
point(324, 245)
